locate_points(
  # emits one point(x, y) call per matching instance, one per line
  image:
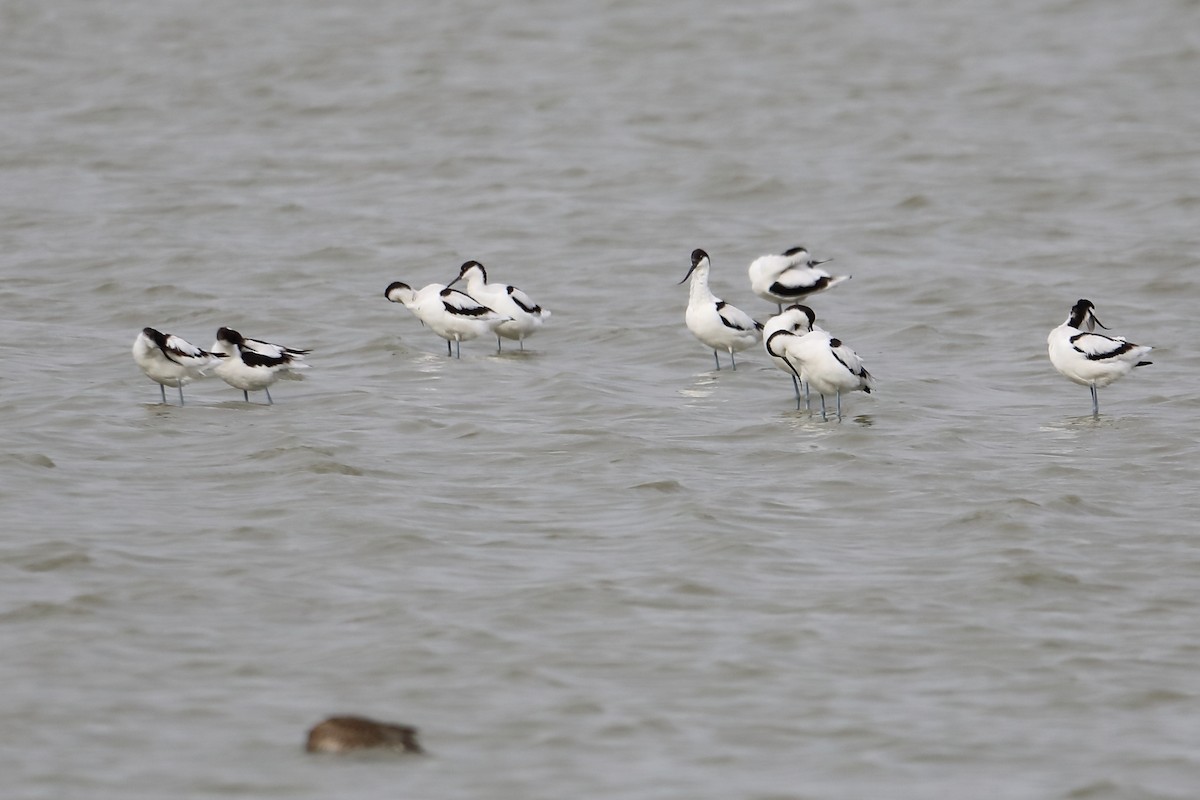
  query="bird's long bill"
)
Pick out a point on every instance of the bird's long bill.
point(818, 263)
point(1093, 321)
point(689, 274)
point(456, 280)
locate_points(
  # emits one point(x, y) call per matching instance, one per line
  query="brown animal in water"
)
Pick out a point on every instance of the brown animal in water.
point(343, 734)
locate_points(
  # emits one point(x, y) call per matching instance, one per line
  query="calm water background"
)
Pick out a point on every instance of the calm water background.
point(599, 568)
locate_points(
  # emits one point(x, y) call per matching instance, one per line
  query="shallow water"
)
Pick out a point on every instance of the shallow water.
point(599, 567)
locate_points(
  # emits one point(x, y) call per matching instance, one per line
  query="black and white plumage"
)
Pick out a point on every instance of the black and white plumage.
point(169, 360)
point(453, 315)
point(1092, 359)
point(826, 363)
point(713, 321)
point(795, 319)
point(253, 365)
point(228, 336)
point(526, 315)
point(790, 276)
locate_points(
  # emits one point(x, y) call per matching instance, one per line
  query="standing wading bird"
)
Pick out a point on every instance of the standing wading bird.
point(828, 365)
point(795, 319)
point(526, 315)
point(790, 277)
point(252, 364)
point(1092, 359)
point(171, 361)
point(453, 315)
point(713, 321)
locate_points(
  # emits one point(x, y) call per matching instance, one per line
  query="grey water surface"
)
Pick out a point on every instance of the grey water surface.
point(599, 568)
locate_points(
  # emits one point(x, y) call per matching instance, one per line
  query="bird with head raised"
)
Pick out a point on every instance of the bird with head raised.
point(526, 316)
point(713, 321)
